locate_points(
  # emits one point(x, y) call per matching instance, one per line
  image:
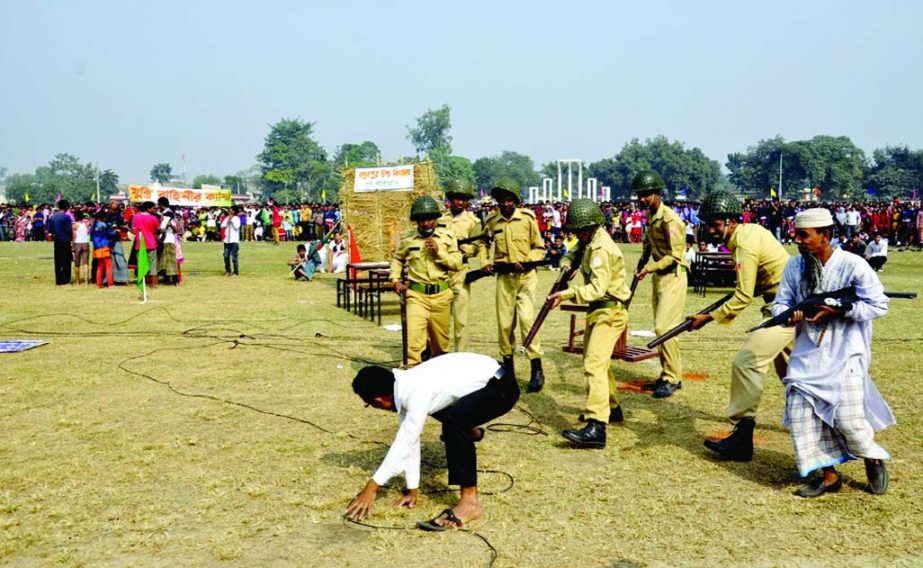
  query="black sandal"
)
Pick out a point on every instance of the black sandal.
point(433, 526)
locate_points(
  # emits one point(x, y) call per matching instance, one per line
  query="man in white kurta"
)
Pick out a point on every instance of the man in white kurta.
point(832, 406)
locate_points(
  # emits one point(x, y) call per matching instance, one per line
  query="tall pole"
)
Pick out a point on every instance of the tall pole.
point(560, 198)
point(780, 175)
point(97, 183)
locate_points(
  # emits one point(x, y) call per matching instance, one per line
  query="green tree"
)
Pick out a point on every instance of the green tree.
point(364, 155)
point(161, 173)
point(236, 183)
point(108, 184)
point(507, 164)
point(65, 175)
point(834, 164)
point(431, 133)
point(893, 171)
point(205, 179)
point(294, 166)
point(685, 171)
point(18, 185)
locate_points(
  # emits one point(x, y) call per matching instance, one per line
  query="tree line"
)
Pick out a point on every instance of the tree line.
point(294, 167)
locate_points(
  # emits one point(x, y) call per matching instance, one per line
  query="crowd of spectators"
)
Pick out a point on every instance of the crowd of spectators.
point(867, 228)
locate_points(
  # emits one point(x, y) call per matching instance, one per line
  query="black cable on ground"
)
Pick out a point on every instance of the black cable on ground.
point(236, 338)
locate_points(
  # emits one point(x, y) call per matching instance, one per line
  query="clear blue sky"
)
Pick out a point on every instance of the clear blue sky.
point(129, 84)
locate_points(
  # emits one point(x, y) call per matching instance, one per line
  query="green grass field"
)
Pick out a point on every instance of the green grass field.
point(215, 425)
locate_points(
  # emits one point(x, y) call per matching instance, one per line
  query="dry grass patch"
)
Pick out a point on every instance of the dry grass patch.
point(215, 426)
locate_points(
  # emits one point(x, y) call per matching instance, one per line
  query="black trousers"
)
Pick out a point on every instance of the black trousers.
point(494, 400)
point(63, 257)
point(876, 262)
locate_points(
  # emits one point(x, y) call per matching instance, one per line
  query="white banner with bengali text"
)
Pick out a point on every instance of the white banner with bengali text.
point(391, 178)
point(182, 197)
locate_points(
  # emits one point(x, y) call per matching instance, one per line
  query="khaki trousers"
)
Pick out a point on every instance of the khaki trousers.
point(762, 347)
point(460, 301)
point(603, 328)
point(669, 299)
point(427, 319)
point(516, 307)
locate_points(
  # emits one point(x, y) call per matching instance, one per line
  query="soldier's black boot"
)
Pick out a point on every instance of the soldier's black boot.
point(593, 435)
point(537, 379)
point(739, 445)
point(508, 363)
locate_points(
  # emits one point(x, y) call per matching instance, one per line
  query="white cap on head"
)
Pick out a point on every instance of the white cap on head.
point(814, 219)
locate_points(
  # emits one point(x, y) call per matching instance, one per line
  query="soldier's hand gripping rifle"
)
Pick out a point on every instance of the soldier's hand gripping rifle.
point(645, 256)
point(486, 237)
point(841, 300)
point(687, 324)
point(559, 285)
point(504, 268)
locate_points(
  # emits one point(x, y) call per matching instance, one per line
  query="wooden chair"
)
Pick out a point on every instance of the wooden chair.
point(621, 351)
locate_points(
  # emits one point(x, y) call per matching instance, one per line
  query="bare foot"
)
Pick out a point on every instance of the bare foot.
point(464, 512)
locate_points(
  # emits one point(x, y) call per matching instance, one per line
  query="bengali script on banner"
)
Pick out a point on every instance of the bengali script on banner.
point(391, 178)
point(182, 197)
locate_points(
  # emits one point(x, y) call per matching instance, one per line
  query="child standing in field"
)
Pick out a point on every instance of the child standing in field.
point(102, 235)
point(81, 243)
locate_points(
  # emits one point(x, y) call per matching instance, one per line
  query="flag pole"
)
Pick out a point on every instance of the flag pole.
point(144, 290)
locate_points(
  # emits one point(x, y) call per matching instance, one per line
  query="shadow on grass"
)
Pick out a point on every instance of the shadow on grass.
point(432, 462)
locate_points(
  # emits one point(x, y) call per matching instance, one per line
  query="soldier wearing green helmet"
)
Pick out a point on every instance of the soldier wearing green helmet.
point(517, 240)
point(760, 261)
point(665, 251)
point(430, 256)
point(603, 269)
point(463, 225)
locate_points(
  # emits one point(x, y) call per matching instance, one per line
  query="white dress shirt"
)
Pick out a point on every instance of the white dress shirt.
point(418, 392)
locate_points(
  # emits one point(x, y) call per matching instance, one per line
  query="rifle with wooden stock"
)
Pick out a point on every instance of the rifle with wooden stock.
point(645, 256)
point(687, 324)
point(504, 268)
point(841, 300)
point(403, 296)
point(559, 285)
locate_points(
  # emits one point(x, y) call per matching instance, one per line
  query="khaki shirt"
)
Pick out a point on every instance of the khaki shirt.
point(760, 261)
point(519, 239)
point(603, 270)
point(422, 266)
point(666, 237)
point(463, 226)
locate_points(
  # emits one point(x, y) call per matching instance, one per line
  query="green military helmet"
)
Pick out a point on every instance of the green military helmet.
point(460, 188)
point(647, 181)
point(423, 208)
point(583, 214)
point(506, 187)
point(720, 204)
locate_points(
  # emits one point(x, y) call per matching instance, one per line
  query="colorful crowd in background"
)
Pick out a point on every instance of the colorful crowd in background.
point(863, 227)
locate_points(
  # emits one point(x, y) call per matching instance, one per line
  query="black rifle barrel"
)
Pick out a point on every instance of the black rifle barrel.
point(687, 324)
point(634, 281)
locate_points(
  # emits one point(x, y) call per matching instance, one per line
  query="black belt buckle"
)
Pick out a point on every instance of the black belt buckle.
point(431, 288)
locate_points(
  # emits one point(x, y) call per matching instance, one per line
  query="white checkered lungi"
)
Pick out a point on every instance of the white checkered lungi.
point(817, 445)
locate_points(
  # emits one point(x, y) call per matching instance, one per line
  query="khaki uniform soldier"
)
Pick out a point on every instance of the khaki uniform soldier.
point(518, 241)
point(431, 256)
point(760, 261)
point(605, 291)
point(463, 224)
point(665, 239)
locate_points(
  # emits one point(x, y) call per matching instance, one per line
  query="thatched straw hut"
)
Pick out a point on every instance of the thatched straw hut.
point(377, 218)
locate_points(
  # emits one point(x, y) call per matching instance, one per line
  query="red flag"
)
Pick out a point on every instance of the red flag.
point(353, 247)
